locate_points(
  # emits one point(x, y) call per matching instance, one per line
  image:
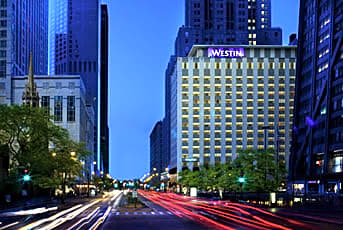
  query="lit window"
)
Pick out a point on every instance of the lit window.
point(58, 105)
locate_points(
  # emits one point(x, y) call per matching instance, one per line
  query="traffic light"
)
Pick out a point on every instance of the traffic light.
point(241, 179)
point(27, 178)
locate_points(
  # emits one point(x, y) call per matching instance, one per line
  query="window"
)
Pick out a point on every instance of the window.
point(46, 104)
point(71, 85)
point(3, 3)
point(3, 33)
point(3, 13)
point(58, 85)
point(58, 116)
point(71, 108)
point(45, 85)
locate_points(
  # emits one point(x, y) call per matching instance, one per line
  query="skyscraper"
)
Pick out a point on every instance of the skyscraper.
point(74, 32)
point(317, 150)
point(238, 22)
point(23, 29)
point(156, 149)
point(74, 46)
point(221, 104)
point(219, 22)
point(104, 132)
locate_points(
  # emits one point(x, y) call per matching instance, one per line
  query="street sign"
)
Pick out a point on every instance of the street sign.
point(134, 194)
point(190, 159)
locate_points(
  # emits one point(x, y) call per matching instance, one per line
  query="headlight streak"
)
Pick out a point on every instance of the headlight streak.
point(101, 219)
point(9, 225)
point(89, 218)
point(68, 217)
point(29, 212)
point(52, 218)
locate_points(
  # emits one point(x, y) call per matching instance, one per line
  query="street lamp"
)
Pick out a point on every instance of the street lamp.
point(53, 154)
point(72, 154)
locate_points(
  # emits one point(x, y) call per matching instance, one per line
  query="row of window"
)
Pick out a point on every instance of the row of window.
point(76, 67)
point(239, 65)
point(58, 107)
point(338, 105)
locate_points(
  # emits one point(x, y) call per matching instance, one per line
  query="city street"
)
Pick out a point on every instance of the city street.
point(172, 211)
point(89, 215)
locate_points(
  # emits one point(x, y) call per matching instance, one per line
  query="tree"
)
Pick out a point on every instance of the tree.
point(261, 172)
point(35, 143)
point(190, 178)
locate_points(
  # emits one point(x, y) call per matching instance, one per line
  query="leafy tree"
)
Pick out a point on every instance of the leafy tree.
point(190, 178)
point(35, 143)
point(261, 172)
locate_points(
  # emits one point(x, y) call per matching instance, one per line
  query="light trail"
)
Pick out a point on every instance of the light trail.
point(54, 217)
point(89, 218)
point(30, 212)
point(220, 212)
point(101, 219)
point(94, 213)
point(9, 225)
point(68, 217)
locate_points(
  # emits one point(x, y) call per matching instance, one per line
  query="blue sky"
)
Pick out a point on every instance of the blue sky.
point(142, 35)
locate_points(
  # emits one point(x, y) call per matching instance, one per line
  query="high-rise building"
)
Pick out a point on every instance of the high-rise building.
point(156, 149)
point(73, 47)
point(220, 22)
point(238, 22)
point(229, 98)
point(317, 149)
point(23, 29)
point(74, 42)
point(104, 132)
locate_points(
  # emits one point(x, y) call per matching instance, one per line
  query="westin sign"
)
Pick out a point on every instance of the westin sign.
point(226, 52)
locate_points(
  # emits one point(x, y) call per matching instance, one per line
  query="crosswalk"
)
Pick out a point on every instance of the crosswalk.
point(151, 213)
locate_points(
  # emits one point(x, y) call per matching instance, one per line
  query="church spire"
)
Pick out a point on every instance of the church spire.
point(30, 95)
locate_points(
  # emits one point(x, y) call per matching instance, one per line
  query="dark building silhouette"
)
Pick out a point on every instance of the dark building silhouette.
point(228, 22)
point(156, 148)
point(316, 163)
point(104, 131)
point(30, 95)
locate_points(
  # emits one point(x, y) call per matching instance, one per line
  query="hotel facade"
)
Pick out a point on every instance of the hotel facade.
point(228, 98)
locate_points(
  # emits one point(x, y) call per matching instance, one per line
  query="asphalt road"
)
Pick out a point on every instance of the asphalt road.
point(154, 217)
point(166, 211)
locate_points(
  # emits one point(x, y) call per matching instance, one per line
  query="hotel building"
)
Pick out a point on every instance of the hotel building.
point(224, 102)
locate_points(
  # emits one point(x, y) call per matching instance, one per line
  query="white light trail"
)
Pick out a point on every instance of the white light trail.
point(54, 217)
point(101, 219)
point(29, 212)
point(9, 225)
point(68, 217)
